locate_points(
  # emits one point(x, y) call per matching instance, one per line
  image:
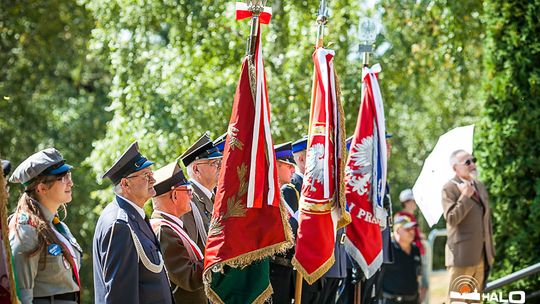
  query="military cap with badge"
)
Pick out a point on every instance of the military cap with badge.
point(168, 178)
point(202, 149)
point(284, 153)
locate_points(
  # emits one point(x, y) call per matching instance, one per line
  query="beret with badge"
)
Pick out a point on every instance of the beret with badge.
point(45, 163)
point(168, 178)
point(203, 148)
point(130, 162)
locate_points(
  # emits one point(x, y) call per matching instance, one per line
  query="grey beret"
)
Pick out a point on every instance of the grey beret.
point(45, 162)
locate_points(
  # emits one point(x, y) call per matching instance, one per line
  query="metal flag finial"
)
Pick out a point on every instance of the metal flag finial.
point(256, 7)
point(322, 19)
point(367, 32)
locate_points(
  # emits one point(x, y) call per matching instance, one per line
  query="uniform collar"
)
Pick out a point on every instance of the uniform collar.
point(206, 192)
point(299, 174)
point(140, 210)
point(168, 216)
point(46, 213)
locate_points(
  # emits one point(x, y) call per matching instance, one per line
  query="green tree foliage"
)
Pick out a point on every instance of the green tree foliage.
point(175, 68)
point(431, 77)
point(52, 93)
point(508, 137)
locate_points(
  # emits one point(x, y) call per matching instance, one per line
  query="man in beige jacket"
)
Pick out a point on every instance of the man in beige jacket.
point(469, 246)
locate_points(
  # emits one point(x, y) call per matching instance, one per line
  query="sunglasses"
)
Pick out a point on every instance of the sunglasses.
point(469, 161)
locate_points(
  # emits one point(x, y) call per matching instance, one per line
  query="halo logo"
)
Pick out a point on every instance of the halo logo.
point(467, 290)
point(464, 290)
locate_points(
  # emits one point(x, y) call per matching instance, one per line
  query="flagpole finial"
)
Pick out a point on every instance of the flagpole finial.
point(256, 7)
point(322, 20)
point(368, 31)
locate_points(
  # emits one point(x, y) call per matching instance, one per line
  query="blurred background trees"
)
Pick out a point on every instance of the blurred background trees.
point(91, 76)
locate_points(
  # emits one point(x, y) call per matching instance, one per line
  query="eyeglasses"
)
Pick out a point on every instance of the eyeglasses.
point(469, 161)
point(66, 178)
point(216, 164)
point(148, 176)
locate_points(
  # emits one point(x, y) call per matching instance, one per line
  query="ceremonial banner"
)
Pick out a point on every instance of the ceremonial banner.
point(365, 178)
point(322, 204)
point(248, 223)
point(8, 292)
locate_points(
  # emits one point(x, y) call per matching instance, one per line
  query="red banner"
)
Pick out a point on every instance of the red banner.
point(322, 204)
point(364, 239)
point(248, 222)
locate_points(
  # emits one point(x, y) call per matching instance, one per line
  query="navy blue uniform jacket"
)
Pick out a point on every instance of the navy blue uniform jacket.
point(122, 278)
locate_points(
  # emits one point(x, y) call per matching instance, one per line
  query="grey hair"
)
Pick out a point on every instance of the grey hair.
point(189, 170)
point(118, 188)
point(453, 157)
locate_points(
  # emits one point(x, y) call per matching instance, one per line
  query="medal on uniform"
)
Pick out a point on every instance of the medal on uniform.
point(54, 249)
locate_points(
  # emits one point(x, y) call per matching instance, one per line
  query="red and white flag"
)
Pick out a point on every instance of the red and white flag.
point(365, 178)
point(322, 204)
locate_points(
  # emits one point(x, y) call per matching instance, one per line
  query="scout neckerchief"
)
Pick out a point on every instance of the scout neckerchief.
point(61, 233)
point(193, 250)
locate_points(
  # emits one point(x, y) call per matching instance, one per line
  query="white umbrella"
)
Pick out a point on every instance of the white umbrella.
point(437, 171)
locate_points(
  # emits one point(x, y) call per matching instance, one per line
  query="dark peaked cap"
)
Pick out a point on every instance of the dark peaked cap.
point(131, 161)
point(284, 153)
point(203, 148)
point(219, 143)
point(168, 177)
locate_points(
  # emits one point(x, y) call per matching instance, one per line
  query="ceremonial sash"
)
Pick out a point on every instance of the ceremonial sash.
point(67, 244)
point(193, 250)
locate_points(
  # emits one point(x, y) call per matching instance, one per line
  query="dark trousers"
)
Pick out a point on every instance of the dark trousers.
point(281, 278)
point(330, 291)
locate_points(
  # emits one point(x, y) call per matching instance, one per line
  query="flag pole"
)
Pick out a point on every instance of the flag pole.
point(322, 19)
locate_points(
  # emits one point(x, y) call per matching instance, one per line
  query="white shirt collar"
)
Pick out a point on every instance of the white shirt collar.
point(173, 217)
point(207, 192)
point(139, 209)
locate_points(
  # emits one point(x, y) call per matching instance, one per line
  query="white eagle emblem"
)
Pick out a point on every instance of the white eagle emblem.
point(315, 165)
point(361, 158)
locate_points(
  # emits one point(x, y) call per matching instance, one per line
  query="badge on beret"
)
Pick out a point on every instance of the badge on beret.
point(54, 249)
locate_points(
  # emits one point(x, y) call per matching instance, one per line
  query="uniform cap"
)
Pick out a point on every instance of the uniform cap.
point(403, 221)
point(219, 143)
point(6, 167)
point(203, 148)
point(284, 153)
point(131, 161)
point(168, 178)
point(406, 195)
point(45, 162)
point(300, 145)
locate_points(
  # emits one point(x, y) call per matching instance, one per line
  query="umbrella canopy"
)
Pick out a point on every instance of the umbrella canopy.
point(437, 171)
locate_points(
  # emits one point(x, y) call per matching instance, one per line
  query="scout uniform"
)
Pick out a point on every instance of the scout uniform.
point(128, 266)
point(198, 219)
point(51, 276)
point(183, 258)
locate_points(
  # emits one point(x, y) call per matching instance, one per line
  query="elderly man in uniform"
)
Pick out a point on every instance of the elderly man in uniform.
point(128, 266)
point(203, 162)
point(183, 258)
point(469, 246)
